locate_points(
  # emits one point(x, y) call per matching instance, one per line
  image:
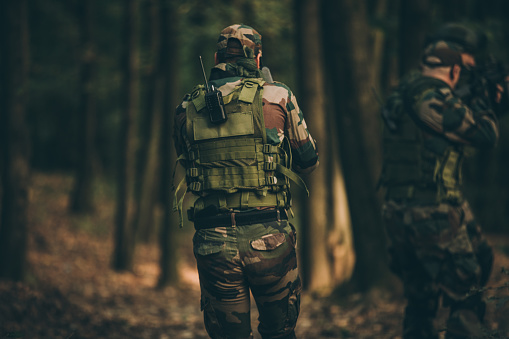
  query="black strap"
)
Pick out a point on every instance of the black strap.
point(239, 219)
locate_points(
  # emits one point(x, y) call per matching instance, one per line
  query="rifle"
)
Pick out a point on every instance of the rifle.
point(267, 76)
point(485, 82)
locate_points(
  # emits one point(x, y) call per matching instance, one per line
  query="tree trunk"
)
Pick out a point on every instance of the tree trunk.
point(124, 232)
point(14, 138)
point(325, 235)
point(169, 69)
point(145, 224)
point(359, 132)
point(414, 24)
point(82, 195)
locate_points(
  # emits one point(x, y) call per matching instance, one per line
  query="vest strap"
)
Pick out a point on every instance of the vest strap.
point(198, 99)
point(248, 92)
point(177, 203)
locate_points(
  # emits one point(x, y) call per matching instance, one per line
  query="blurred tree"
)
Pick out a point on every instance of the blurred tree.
point(414, 24)
point(14, 138)
point(124, 230)
point(350, 52)
point(327, 251)
point(169, 83)
point(149, 151)
point(82, 194)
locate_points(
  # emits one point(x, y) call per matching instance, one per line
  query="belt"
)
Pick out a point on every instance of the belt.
point(239, 219)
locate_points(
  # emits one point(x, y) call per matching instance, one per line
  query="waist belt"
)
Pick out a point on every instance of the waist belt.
point(239, 219)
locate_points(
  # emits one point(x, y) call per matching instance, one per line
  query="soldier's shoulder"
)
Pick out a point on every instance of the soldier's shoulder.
point(278, 84)
point(278, 88)
point(427, 86)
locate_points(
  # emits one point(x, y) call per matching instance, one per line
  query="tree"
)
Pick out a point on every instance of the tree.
point(414, 23)
point(168, 68)
point(327, 250)
point(149, 151)
point(124, 231)
point(349, 56)
point(14, 138)
point(82, 195)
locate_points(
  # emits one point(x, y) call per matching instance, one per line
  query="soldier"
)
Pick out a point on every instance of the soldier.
point(239, 147)
point(436, 247)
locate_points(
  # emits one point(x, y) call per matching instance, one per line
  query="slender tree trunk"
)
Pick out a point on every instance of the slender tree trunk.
point(326, 234)
point(148, 191)
point(124, 232)
point(358, 127)
point(82, 195)
point(169, 69)
point(14, 138)
point(414, 24)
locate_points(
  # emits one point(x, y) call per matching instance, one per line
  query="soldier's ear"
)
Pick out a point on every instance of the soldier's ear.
point(454, 73)
point(216, 61)
point(258, 60)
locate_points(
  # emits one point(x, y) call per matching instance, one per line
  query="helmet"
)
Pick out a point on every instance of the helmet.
point(441, 53)
point(250, 41)
point(471, 41)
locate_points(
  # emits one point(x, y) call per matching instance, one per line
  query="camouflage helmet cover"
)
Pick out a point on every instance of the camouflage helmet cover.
point(469, 40)
point(442, 53)
point(248, 37)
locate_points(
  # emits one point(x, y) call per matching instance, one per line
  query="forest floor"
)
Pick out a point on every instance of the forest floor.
point(71, 291)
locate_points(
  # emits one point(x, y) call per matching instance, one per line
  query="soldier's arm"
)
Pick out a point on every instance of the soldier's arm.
point(446, 114)
point(304, 149)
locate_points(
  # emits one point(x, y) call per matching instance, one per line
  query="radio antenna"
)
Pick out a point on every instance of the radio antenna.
point(204, 75)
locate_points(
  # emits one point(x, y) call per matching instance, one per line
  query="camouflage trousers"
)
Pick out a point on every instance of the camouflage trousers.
point(439, 252)
point(232, 261)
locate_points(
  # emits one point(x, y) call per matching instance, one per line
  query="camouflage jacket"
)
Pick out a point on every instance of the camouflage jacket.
point(439, 109)
point(282, 116)
point(428, 127)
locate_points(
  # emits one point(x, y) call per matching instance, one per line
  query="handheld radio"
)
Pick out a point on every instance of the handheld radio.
point(214, 101)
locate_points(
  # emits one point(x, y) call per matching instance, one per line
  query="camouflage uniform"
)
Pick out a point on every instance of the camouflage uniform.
point(258, 256)
point(437, 248)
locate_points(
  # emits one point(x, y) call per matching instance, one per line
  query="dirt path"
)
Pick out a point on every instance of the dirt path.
point(72, 293)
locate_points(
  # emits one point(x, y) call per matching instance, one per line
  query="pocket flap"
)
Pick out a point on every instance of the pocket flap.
point(268, 242)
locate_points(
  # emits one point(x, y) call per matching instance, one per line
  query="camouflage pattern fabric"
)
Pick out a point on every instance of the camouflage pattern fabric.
point(437, 249)
point(258, 257)
point(248, 37)
point(440, 110)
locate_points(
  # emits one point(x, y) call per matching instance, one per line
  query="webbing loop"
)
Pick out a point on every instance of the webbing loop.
point(192, 172)
point(269, 166)
point(244, 199)
point(271, 180)
point(195, 186)
point(270, 149)
point(177, 203)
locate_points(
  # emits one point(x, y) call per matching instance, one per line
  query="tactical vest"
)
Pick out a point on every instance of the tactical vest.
point(418, 164)
point(231, 165)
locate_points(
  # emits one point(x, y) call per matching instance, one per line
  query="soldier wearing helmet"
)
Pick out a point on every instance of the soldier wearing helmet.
point(239, 166)
point(436, 247)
